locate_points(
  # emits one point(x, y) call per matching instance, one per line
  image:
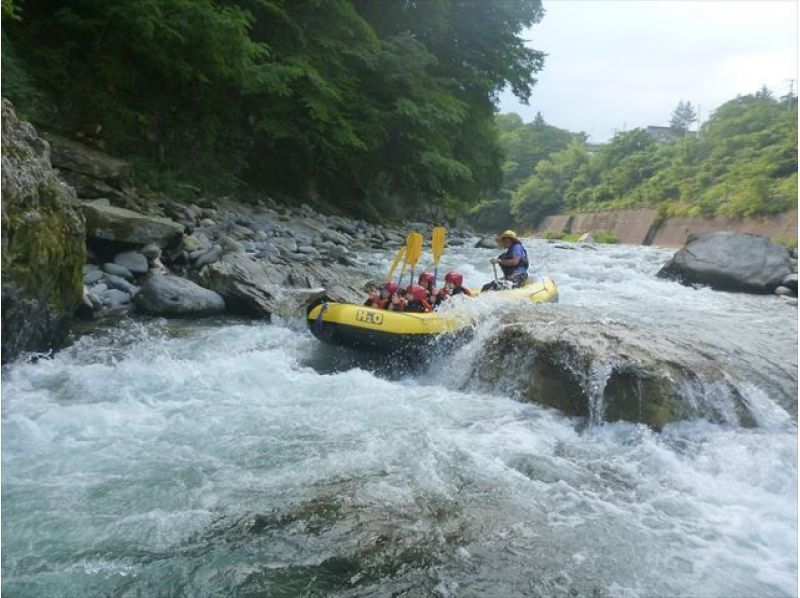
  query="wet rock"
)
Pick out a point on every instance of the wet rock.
point(121, 225)
point(230, 245)
point(134, 261)
point(117, 282)
point(207, 257)
point(730, 261)
point(784, 291)
point(151, 251)
point(486, 243)
point(243, 282)
point(43, 244)
point(114, 298)
point(118, 270)
point(565, 360)
point(790, 281)
point(92, 276)
point(173, 296)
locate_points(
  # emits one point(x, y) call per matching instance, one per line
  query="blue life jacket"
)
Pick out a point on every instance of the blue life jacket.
point(521, 267)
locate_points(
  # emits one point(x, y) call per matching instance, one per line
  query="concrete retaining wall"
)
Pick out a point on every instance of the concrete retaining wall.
point(640, 226)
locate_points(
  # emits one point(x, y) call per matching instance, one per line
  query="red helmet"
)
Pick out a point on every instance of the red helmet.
point(392, 287)
point(455, 278)
point(417, 293)
point(425, 278)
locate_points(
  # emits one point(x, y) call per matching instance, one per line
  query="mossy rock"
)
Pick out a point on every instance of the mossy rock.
point(43, 244)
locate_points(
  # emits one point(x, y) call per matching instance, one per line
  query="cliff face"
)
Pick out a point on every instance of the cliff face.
point(642, 226)
point(42, 242)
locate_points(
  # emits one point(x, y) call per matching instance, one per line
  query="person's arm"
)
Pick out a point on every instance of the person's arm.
point(514, 259)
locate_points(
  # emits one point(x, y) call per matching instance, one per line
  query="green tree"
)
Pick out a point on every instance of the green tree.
point(683, 116)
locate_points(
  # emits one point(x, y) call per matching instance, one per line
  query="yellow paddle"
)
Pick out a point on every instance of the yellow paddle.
point(400, 253)
point(438, 236)
point(413, 250)
point(406, 254)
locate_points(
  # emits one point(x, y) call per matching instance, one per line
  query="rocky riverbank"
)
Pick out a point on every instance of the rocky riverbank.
point(79, 238)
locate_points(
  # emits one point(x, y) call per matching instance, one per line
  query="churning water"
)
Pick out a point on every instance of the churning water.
point(223, 458)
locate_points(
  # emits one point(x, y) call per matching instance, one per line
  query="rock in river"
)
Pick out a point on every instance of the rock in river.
point(174, 296)
point(606, 372)
point(730, 261)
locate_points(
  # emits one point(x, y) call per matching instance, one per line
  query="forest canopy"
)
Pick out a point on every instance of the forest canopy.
point(741, 162)
point(365, 103)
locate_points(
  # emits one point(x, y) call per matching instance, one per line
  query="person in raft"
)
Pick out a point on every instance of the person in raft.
point(426, 281)
point(397, 302)
point(381, 300)
point(513, 261)
point(453, 285)
point(417, 299)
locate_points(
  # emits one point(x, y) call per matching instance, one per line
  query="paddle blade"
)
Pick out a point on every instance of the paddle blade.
point(438, 236)
point(400, 253)
point(413, 248)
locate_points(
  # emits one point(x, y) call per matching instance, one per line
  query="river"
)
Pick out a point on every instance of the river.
point(232, 458)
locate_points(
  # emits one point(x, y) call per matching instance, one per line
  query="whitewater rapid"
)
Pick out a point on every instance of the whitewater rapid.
point(223, 458)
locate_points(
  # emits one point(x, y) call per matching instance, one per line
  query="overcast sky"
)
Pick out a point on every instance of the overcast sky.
point(622, 64)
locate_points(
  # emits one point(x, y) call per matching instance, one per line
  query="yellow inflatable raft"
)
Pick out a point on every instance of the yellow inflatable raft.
point(358, 326)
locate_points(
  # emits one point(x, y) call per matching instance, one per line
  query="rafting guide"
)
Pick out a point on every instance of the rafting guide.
point(513, 262)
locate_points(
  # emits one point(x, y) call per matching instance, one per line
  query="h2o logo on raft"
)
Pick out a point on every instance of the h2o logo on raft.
point(362, 315)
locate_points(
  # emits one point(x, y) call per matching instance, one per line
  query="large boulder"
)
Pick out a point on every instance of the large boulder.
point(257, 288)
point(730, 261)
point(121, 225)
point(564, 359)
point(247, 286)
point(174, 296)
point(76, 157)
point(42, 242)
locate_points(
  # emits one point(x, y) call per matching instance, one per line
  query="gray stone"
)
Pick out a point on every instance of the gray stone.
point(486, 243)
point(230, 245)
point(730, 261)
point(192, 243)
point(790, 281)
point(117, 282)
point(174, 296)
point(308, 250)
point(784, 291)
point(114, 298)
point(118, 270)
point(133, 261)
point(335, 237)
point(151, 251)
point(243, 282)
point(208, 222)
point(287, 243)
point(92, 276)
point(208, 257)
point(118, 224)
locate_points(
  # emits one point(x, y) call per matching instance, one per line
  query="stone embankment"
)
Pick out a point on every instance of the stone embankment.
point(642, 226)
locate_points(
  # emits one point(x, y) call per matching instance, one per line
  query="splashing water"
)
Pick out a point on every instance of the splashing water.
point(228, 458)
